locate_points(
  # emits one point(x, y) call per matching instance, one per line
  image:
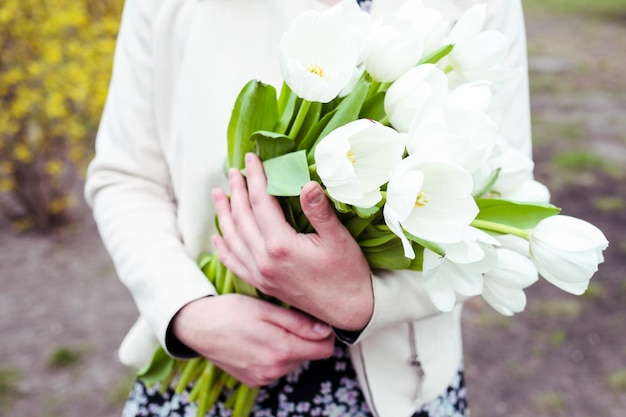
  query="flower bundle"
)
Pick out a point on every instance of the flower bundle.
point(397, 119)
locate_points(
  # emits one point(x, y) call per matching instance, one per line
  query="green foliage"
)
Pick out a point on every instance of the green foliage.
point(596, 7)
point(579, 160)
point(594, 291)
point(65, 357)
point(55, 64)
point(617, 380)
point(549, 401)
point(564, 309)
point(558, 337)
point(9, 379)
point(607, 204)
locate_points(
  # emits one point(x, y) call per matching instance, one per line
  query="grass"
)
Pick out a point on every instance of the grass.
point(549, 402)
point(558, 337)
point(64, 357)
point(598, 8)
point(547, 132)
point(9, 379)
point(565, 309)
point(492, 319)
point(616, 380)
point(609, 204)
point(595, 291)
point(580, 160)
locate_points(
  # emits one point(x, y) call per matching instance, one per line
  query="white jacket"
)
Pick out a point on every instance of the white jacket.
point(178, 67)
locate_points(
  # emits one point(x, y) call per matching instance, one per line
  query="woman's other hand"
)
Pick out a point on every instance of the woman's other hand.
point(251, 339)
point(324, 273)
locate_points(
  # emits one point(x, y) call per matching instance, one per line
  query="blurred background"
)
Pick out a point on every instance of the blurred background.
point(63, 311)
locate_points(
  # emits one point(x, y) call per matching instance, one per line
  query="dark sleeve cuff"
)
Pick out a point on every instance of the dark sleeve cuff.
point(347, 336)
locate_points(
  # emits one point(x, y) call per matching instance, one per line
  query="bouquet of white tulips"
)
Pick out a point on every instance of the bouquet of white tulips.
point(395, 117)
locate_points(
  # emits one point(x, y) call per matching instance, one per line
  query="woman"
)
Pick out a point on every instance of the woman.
point(359, 343)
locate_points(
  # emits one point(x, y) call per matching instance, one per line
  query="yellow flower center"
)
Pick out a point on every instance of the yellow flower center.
point(421, 199)
point(317, 70)
point(351, 157)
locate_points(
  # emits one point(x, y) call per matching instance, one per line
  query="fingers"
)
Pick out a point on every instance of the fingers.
point(265, 207)
point(232, 250)
point(318, 210)
point(298, 323)
point(304, 337)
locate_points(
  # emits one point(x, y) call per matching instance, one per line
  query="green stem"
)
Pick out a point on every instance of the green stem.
point(297, 124)
point(501, 228)
point(187, 374)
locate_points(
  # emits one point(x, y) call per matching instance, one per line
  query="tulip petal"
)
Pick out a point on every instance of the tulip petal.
point(505, 300)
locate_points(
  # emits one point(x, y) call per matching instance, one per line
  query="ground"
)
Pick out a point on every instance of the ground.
point(63, 311)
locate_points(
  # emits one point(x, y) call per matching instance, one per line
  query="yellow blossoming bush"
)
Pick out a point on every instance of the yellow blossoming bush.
point(55, 64)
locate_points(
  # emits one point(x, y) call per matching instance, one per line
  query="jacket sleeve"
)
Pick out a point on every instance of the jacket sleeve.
point(128, 185)
point(400, 295)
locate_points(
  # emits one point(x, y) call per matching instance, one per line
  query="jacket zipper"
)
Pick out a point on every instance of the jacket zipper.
point(367, 381)
point(415, 361)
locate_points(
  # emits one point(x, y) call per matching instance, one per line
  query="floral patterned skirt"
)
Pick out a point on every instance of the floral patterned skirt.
point(318, 388)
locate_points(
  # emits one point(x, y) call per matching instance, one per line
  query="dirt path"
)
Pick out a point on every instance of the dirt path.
point(565, 356)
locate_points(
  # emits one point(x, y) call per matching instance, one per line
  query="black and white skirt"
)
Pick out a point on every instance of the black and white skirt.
point(318, 388)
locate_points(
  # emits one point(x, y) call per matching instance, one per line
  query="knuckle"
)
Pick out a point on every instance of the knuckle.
point(267, 268)
point(282, 357)
point(276, 250)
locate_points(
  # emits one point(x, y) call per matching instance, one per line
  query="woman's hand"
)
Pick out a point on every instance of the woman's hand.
point(324, 274)
point(251, 339)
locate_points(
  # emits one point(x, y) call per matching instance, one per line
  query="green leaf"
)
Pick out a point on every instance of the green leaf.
point(520, 215)
point(270, 144)
point(349, 108)
point(366, 213)
point(374, 108)
point(432, 246)
point(256, 108)
point(287, 174)
point(286, 108)
point(310, 121)
point(437, 55)
point(387, 256)
point(159, 368)
point(315, 131)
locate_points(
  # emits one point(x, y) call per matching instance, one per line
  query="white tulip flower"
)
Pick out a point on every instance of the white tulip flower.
point(358, 21)
point(430, 200)
point(515, 168)
point(355, 160)
point(478, 54)
point(460, 271)
point(529, 191)
point(400, 38)
point(419, 93)
point(318, 55)
point(460, 133)
point(503, 286)
point(393, 49)
point(567, 251)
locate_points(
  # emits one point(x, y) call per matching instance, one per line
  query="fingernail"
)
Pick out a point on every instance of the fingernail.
point(314, 196)
point(321, 328)
point(216, 194)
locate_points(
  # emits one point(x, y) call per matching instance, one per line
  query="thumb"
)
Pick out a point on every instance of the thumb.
point(318, 210)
